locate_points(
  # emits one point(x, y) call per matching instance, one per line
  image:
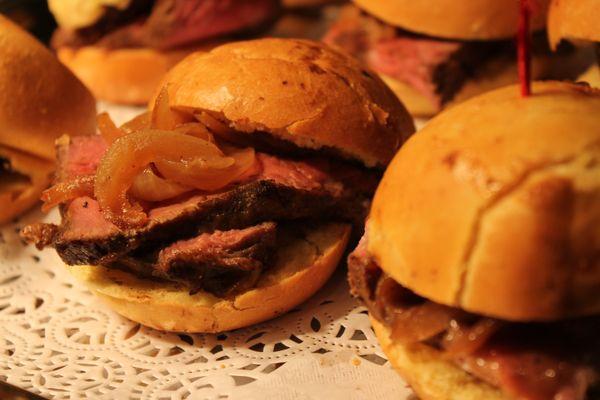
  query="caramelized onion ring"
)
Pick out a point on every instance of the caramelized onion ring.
point(138, 123)
point(213, 124)
point(163, 117)
point(107, 128)
point(68, 190)
point(462, 339)
point(420, 323)
point(206, 174)
point(150, 187)
point(195, 129)
point(130, 155)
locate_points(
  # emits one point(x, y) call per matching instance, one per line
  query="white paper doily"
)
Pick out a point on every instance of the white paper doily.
point(58, 340)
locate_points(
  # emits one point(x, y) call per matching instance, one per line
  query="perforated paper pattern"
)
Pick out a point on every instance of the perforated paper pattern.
point(58, 340)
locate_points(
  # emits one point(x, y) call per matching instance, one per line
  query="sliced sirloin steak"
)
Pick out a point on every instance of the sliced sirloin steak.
point(282, 189)
point(219, 262)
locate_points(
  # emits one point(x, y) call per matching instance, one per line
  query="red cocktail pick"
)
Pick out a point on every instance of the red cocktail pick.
point(524, 46)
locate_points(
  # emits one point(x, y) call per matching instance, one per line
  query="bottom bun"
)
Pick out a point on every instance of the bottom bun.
point(496, 73)
point(125, 76)
point(22, 189)
point(303, 264)
point(429, 375)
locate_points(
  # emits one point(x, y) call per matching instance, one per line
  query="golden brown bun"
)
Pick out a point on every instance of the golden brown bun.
point(19, 195)
point(302, 266)
point(467, 20)
point(494, 206)
point(125, 76)
point(496, 73)
point(296, 90)
point(574, 19)
point(429, 375)
point(40, 99)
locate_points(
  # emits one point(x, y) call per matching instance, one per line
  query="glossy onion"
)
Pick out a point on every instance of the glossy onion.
point(68, 190)
point(150, 187)
point(130, 155)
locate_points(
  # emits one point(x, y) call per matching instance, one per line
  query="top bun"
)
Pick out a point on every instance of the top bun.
point(296, 90)
point(455, 19)
point(574, 19)
point(494, 206)
point(41, 99)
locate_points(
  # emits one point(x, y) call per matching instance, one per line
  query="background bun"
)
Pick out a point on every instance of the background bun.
point(297, 90)
point(302, 267)
point(494, 206)
point(454, 19)
point(431, 376)
point(574, 19)
point(40, 99)
point(125, 76)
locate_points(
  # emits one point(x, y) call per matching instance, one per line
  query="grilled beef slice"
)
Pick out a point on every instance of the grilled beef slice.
point(220, 262)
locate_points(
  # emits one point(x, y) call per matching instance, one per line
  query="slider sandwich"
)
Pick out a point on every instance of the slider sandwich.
point(577, 21)
point(40, 100)
point(121, 49)
point(441, 52)
point(233, 200)
point(480, 266)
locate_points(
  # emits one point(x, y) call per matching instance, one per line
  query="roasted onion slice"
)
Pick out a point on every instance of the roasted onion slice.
point(163, 117)
point(68, 190)
point(420, 323)
point(213, 124)
point(107, 128)
point(130, 155)
point(138, 123)
point(209, 174)
point(150, 187)
point(195, 129)
point(463, 339)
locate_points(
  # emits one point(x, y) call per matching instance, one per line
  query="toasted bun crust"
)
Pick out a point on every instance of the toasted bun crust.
point(296, 90)
point(573, 19)
point(40, 99)
point(494, 206)
point(496, 73)
point(14, 201)
point(125, 76)
point(429, 375)
point(302, 267)
point(467, 20)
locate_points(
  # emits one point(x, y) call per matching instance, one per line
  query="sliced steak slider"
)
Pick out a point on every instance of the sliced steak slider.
point(121, 49)
point(439, 52)
point(480, 265)
point(233, 200)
